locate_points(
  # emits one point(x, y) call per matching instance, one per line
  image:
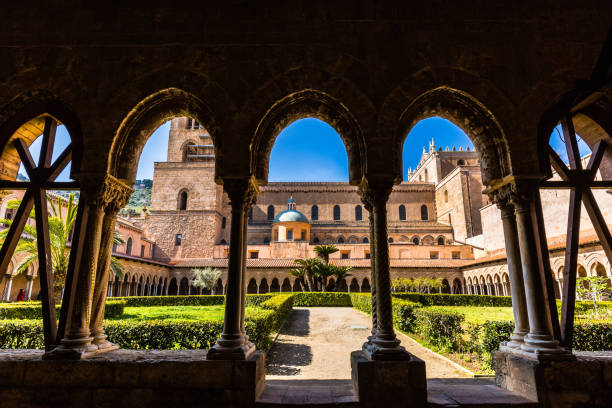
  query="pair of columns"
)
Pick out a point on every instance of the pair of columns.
point(519, 206)
point(235, 344)
point(81, 330)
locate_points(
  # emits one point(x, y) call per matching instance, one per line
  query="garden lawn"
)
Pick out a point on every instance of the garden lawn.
point(478, 314)
point(210, 313)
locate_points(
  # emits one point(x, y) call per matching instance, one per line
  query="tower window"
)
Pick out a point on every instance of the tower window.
point(303, 237)
point(182, 201)
point(446, 196)
point(266, 240)
point(366, 240)
point(142, 251)
point(253, 254)
point(424, 213)
point(415, 241)
point(358, 213)
point(314, 213)
point(270, 212)
point(128, 248)
point(189, 123)
point(440, 240)
point(336, 213)
point(196, 125)
point(460, 162)
point(315, 240)
point(178, 239)
point(223, 222)
point(345, 254)
point(289, 235)
point(340, 240)
point(402, 212)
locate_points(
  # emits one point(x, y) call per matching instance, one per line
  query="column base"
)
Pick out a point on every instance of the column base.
point(76, 349)
point(389, 383)
point(517, 339)
point(377, 348)
point(541, 344)
point(220, 352)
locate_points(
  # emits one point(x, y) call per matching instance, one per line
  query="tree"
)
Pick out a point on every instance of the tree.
point(324, 251)
point(593, 288)
point(309, 269)
point(205, 278)
point(60, 227)
point(339, 272)
point(116, 266)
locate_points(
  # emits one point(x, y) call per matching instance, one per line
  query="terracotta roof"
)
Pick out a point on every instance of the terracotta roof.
point(355, 263)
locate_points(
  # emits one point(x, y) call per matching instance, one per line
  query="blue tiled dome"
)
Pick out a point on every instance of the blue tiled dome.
point(291, 216)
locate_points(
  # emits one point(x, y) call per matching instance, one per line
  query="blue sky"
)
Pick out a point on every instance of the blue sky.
point(311, 150)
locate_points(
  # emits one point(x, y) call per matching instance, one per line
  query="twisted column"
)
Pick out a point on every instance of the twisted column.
point(117, 194)
point(251, 199)
point(384, 345)
point(540, 339)
point(233, 344)
point(365, 199)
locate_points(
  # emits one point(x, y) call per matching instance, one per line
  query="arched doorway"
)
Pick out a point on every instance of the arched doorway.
point(252, 286)
point(354, 286)
point(173, 287)
point(286, 287)
point(263, 286)
point(274, 286)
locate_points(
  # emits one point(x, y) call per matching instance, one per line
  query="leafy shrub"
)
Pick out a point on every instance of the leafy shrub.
point(442, 299)
point(191, 300)
point(592, 336)
point(33, 310)
point(403, 310)
point(257, 300)
point(282, 305)
point(310, 299)
point(583, 307)
point(16, 334)
point(440, 328)
point(362, 302)
point(493, 333)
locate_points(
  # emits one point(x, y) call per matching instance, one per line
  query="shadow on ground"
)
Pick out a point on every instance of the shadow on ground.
point(286, 358)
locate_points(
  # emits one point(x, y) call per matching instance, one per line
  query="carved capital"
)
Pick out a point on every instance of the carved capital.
point(502, 196)
point(523, 193)
point(104, 192)
point(375, 192)
point(242, 192)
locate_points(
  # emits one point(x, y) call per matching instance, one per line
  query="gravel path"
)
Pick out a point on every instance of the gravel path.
point(316, 343)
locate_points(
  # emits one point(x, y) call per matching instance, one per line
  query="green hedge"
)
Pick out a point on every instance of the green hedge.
point(441, 299)
point(440, 328)
point(583, 307)
point(310, 299)
point(191, 300)
point(403, 310)
point(33, 310)
point(162, 334)
point(257, 300)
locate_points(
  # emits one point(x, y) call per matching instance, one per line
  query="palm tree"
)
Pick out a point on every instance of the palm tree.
point(116, 266)
point(324, 251)
point(60, 227)
point(309, 268)
point(340, 272)
point(299, 274)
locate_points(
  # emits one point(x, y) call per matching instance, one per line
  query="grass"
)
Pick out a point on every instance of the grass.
point(177, 312)
point(478, 314)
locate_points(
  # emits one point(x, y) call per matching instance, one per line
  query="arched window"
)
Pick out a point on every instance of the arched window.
point(270, 212)
point(223, 222)
point(460, 162)
point(415, 240)
point(366, 240)
point(314, 213)
point(390, 240)
point(336, 213)
point(358, 213)
point(114, 247)
point(426, 175)
point(189, 123)
point(250, 214)
point(424, 213)
point(128, 247)
point(340, 240)
point(446, 196)
point(315, 240)
point(266, 240)
point(196, 125)
point(182, 205)
point(440, 240)
point(402, 212)
point(223, 242)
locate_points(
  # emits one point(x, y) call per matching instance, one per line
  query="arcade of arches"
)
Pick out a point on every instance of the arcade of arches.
point(371, 71)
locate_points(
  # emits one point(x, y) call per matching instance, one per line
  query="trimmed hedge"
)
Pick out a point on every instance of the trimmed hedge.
point(310, 299)
point(162, 334)
point(190, 300)
point(442, 299)
point(33, 310)
point(403, 310)
point(440, 328)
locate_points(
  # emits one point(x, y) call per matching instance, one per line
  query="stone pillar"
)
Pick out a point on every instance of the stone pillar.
point(250, 201)
point(29, 286)
point(116, 196)
point(77, 342)
point(365, 199)
point(8, 286)
point(233, 344)
point(539, 340)
point(384, 345)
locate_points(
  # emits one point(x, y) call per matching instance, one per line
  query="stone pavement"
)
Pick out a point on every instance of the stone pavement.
point(316, 344)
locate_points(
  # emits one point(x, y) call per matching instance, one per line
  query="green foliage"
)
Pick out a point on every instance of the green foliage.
point(441, 329)
point(594, 288)
point(441, 299)
point(592, 336)
point(21, 334)
point(321, 299)
point(493, 333)
point(258, 299)
point(192, 300)
point(403, 310)
point(205, 278)
point(116, 266)
point(420, 285)
point(33, 310)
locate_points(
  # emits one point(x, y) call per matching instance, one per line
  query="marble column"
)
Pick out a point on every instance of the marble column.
point(540, 339)
point(365, 199)
point(116, 196)
point(384, 345)
point(251, 199)
point(29, 286)
point(233, 344)
point(8, 286)
point(77, 341)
